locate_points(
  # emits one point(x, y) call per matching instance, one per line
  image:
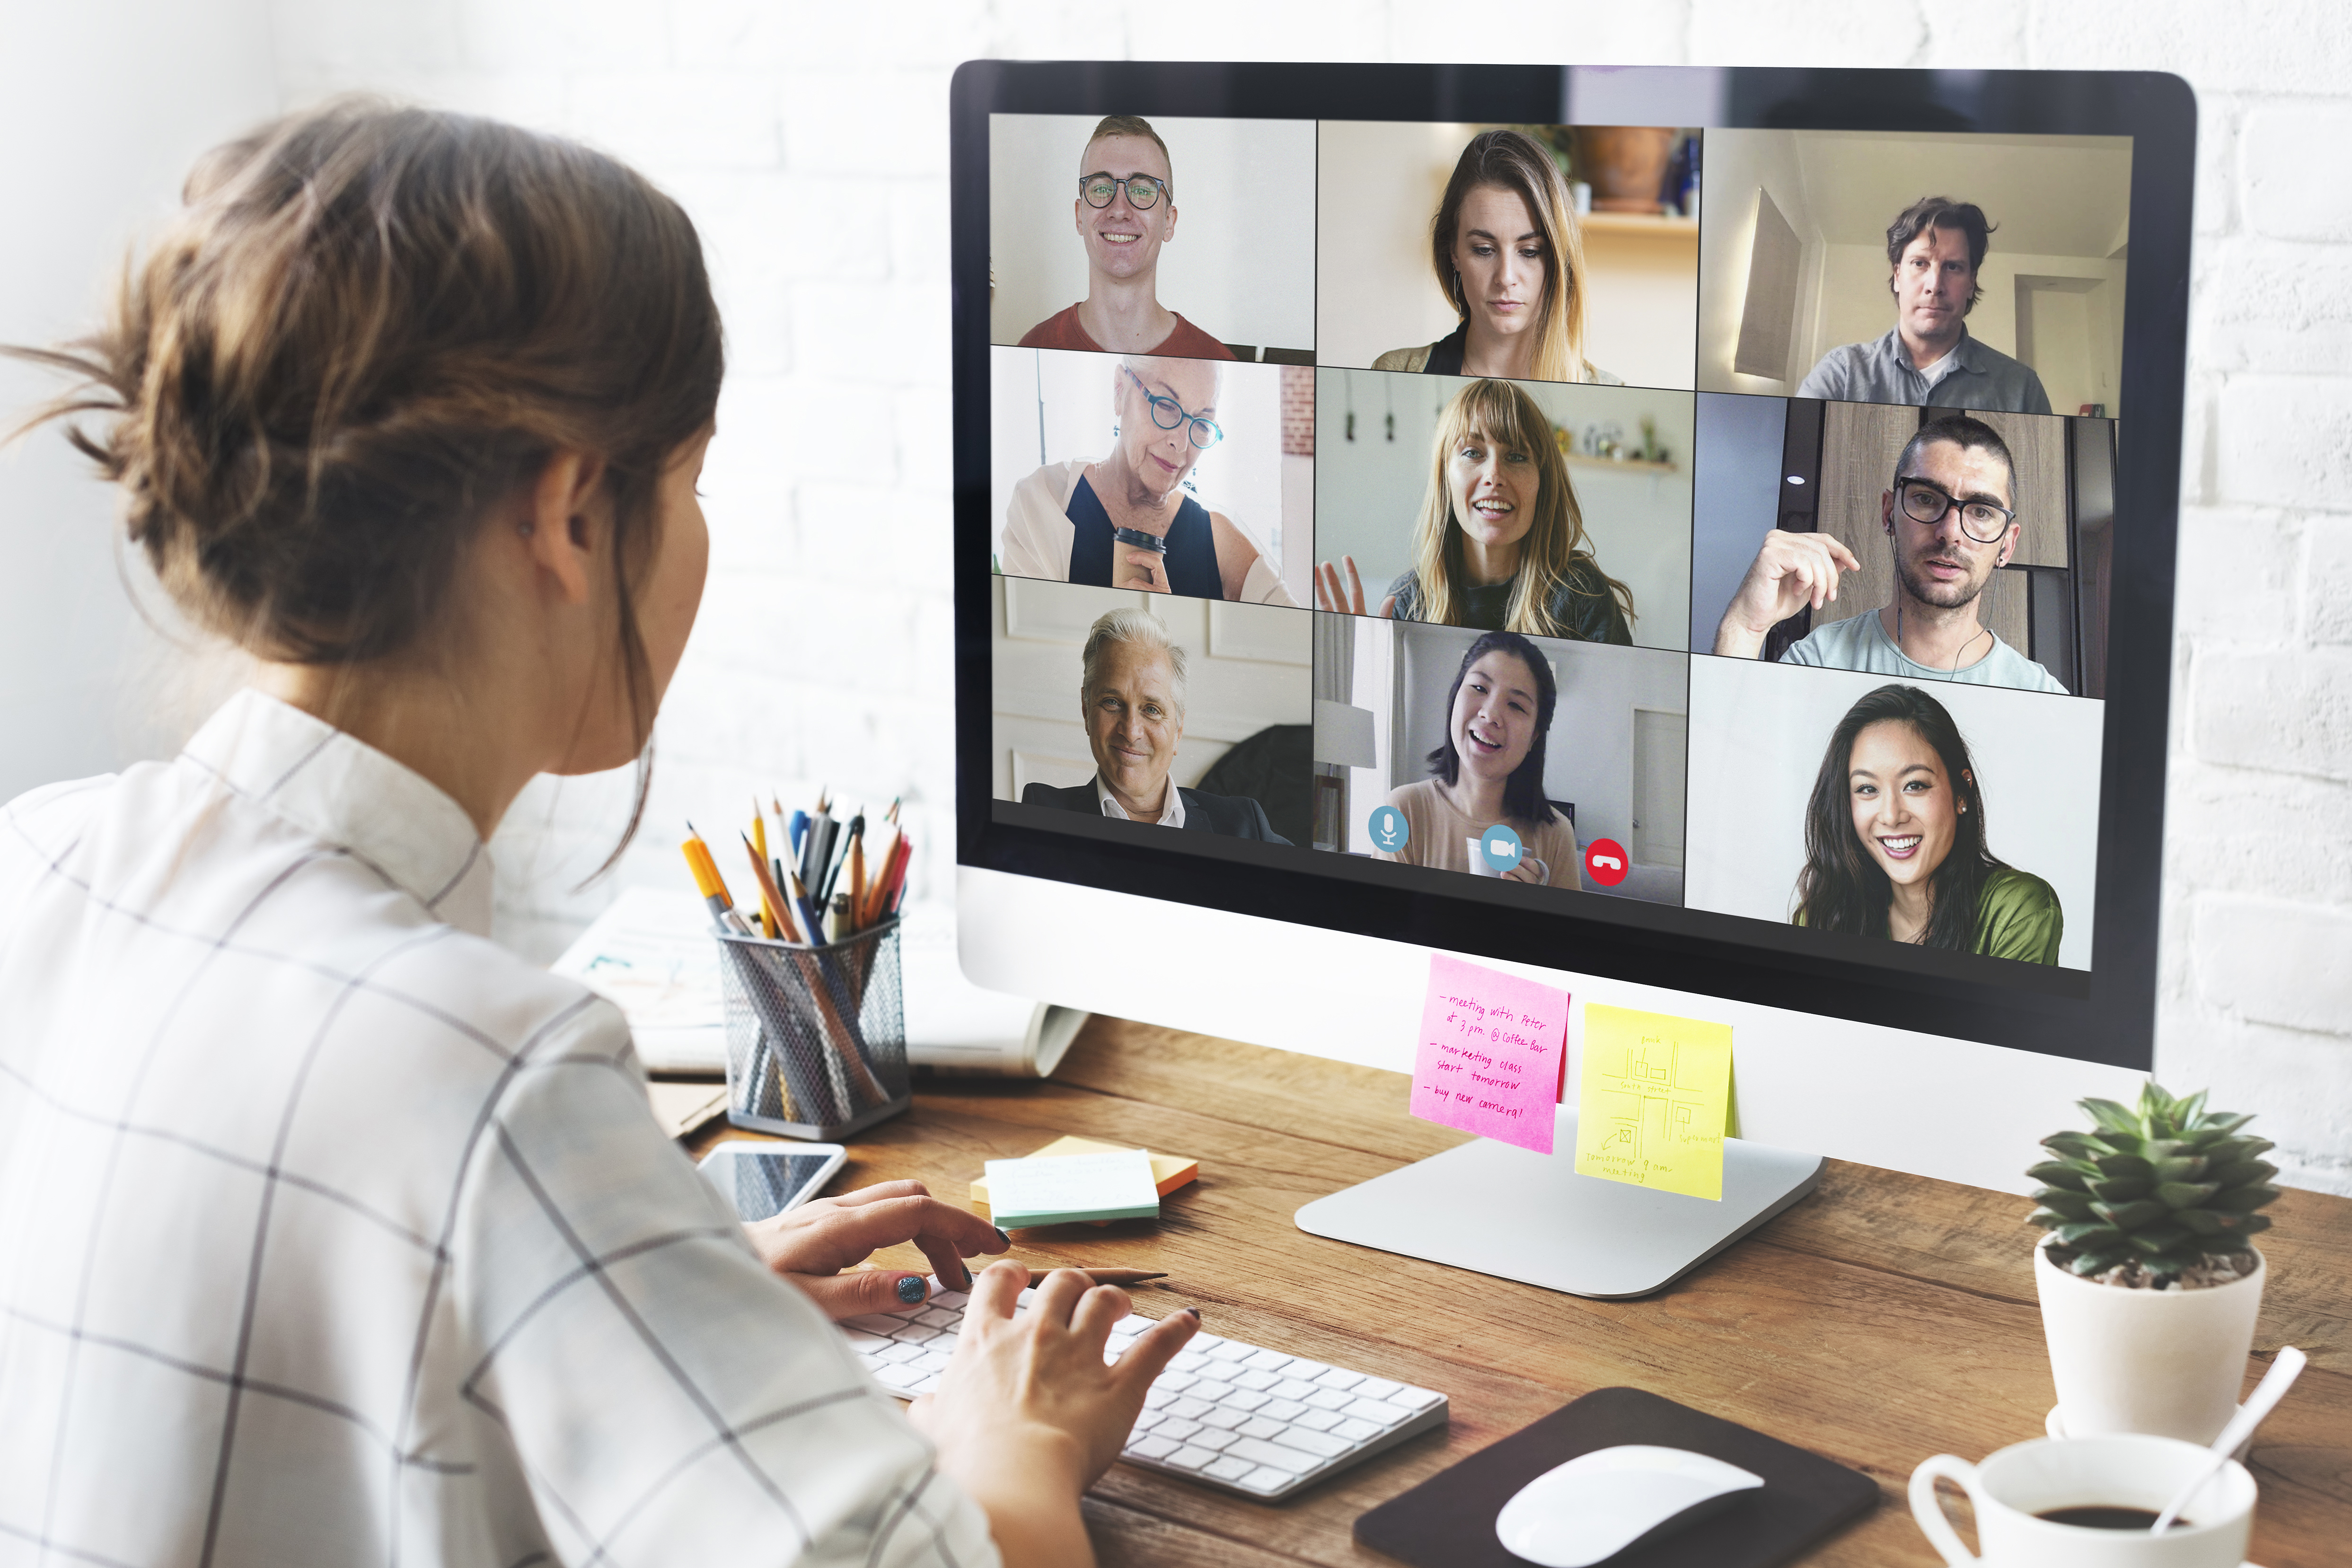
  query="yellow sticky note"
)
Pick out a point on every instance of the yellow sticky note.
point(1653, 1100)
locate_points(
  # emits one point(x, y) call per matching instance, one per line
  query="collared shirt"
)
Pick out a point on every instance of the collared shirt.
point(1171, 816)
point(1882, 371)
point(1859, 642)
point(331, 1232)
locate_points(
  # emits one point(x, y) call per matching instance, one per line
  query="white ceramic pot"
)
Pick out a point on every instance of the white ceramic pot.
point(2167, 1363)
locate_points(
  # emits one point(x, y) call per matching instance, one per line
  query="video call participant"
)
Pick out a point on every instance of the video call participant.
point(1934, 247)
point(1510, 258)
point(1949, 518)
point(1126, 210)
point(1500, 544)
point(1131, 700)
point(1124, 522)
point(1490, 769)
point(1895, 846)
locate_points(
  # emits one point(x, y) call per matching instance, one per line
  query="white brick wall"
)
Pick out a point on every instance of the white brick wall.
point(810, 142)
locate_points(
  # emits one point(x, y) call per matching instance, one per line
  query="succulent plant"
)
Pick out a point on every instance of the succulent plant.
point(2163, 1186)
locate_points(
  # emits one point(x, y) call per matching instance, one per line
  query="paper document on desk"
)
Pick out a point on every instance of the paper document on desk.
point(1059, 1191)
point(652, 955)
point(1491, 1053)
point(965, 1030)
point(1652, 1100)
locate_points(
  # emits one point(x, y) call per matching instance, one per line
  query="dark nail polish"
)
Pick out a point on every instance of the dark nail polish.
point(1195, 1311)
point(1005, 1239)
point(911, 1289)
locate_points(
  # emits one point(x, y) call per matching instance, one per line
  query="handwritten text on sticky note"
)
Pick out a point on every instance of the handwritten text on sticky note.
point(1651, 1099)
point(1489, 1059)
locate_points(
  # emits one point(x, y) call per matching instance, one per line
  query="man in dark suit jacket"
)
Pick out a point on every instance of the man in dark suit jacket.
point(1234, 816)
point(1132, 701)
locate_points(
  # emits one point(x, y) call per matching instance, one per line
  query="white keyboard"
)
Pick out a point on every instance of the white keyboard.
point(1238, 1417)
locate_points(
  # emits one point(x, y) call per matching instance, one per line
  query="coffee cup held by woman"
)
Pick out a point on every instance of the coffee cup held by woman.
point(1126, 521)
point(368, 1243)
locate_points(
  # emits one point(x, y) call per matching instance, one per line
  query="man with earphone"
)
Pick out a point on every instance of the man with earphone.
point(1951, 519)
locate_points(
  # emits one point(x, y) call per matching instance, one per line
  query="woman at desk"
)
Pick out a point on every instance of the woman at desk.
point(1500, 542)
point(1509, 258)
point(1490, 769)
point(1895, 840)
point(334, 1228)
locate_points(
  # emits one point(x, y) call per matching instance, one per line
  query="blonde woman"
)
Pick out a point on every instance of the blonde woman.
point(1509, 258)
point(1501, 542)
point(329, 1230)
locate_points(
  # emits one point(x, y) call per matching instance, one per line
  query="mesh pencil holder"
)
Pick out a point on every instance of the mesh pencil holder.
point(816, 1036)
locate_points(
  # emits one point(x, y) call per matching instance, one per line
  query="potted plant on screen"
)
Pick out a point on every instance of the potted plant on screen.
point(2149, 1279)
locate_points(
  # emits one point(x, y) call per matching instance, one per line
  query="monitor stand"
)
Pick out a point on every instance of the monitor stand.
point(1495, 1209)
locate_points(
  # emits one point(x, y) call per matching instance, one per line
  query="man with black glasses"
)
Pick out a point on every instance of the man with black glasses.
point(1949, 518)
point(1934, 248)
point(1126, 210)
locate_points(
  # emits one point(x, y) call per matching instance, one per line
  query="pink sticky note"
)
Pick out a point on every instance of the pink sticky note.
point(1491, 1050)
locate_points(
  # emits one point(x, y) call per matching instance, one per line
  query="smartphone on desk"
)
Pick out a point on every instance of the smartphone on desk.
point(764, 1180)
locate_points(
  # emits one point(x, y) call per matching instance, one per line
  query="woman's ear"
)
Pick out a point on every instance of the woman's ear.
point(559, 524)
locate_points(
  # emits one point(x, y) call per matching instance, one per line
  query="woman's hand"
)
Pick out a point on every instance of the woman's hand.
point(813, 1245)
point(1147, 570)
point(1529, 871)
point(1027, 1416)
point(1346, 597)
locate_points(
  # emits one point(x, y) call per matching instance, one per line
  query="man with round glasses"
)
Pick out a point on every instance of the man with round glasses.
point(1951, 521)
point(1126, 210)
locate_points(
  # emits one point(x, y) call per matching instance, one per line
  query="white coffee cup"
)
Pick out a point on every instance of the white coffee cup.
point(2024, 1479)
point(1481, 867)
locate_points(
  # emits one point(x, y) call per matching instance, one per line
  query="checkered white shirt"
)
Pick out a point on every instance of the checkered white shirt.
point(331, 1233)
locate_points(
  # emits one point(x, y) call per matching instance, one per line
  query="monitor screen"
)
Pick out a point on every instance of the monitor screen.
point(1684, 551)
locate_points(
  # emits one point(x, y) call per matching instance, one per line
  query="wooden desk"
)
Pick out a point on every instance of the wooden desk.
point(1884, 1319)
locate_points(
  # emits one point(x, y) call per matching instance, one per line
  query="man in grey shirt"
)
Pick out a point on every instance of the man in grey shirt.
point(1949, 520)
point(1933, 248)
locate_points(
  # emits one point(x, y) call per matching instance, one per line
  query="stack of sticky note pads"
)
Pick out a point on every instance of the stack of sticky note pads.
point(1077, 1179)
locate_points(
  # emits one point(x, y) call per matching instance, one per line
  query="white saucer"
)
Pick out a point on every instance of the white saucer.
point(2054, 1426)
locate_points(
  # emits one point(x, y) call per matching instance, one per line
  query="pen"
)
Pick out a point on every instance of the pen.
point(833, 871)
point(808, 923)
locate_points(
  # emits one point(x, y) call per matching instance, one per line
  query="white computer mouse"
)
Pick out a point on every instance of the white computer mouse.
point(1598, 1504)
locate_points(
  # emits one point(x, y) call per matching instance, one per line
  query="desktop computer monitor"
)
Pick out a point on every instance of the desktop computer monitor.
point(1701, 536)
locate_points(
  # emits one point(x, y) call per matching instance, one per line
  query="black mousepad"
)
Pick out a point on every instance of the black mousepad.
point(1448, 1520)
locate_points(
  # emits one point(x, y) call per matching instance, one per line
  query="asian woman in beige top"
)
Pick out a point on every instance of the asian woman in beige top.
point(1490, 768)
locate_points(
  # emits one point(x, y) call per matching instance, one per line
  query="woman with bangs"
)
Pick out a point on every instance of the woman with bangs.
point(1501, 542)
point(1509, 258)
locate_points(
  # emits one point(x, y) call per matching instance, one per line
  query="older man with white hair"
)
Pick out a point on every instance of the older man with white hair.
point(1125, 521)
point(1131, 699)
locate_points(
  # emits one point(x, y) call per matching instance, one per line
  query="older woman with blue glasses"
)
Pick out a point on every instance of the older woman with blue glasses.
point(1125, 521)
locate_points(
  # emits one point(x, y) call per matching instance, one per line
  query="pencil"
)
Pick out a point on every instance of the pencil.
point(780, 920)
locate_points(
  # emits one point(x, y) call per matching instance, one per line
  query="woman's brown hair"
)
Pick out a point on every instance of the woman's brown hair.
point(1556, 548)
point(367, 324)
point(1513, 161)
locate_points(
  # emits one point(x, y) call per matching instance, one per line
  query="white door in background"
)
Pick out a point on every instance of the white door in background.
point(1661, 745)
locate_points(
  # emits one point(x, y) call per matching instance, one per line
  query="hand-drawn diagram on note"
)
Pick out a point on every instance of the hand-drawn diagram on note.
point(1651, 1099)
point(1490, 1056)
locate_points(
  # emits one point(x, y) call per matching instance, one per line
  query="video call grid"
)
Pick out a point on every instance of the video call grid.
point(1694, 705)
